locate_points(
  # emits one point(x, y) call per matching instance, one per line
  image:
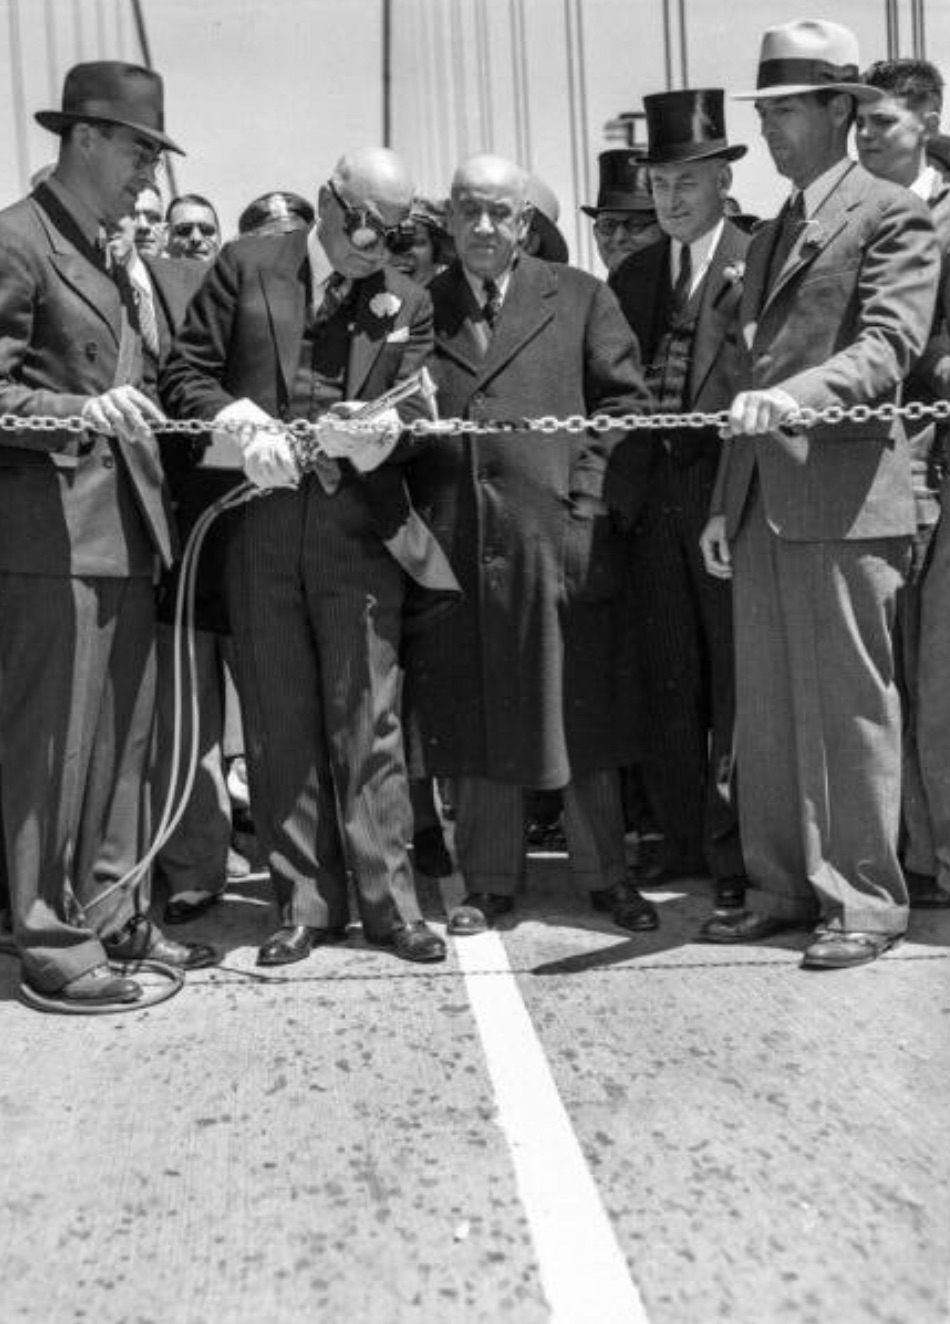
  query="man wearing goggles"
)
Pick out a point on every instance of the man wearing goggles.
point(303, 326)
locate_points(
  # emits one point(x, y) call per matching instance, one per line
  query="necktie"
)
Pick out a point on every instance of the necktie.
point(491, 308)
point(683, 281)
point(335, 291)
point(148, 322)
point(790, 227)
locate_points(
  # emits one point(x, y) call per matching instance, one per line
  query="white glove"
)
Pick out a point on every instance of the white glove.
point(365, 449)
point(264, 454)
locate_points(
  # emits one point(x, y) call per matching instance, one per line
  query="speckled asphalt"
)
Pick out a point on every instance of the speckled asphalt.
point(772, 1146)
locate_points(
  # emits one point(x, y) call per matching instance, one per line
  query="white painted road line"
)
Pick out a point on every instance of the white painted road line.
point(583, 1271)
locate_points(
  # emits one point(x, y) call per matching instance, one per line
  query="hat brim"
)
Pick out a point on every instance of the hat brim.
point(860, 91)
point(58, 121)
point(698, 153)
point(643, 206)
point(552, 246)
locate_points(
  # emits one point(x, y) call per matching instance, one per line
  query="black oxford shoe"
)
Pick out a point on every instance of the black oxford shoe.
point(295, 943)
point(478, 912)
point(99, 987)
point(141, 940)
point(414, 941)
point(841, 949)
point(743, 926)
point(180, 910)
point(627, 908)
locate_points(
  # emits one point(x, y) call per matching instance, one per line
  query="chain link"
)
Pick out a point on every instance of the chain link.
point(307, 434)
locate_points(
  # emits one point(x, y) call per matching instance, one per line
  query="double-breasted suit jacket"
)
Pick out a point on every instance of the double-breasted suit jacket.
point(525, 682)
point(683, 615)
point(820, 521)
point(84, 519)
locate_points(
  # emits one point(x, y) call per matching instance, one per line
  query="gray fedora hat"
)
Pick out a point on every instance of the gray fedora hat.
point(809, 55)
point(110, 92)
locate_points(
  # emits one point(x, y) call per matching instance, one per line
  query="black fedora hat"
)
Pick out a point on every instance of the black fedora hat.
point(623, 182)
point(110, 92)
point(689, 125)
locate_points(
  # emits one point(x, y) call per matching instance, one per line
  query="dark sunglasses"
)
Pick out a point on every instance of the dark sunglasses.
point(183, 230)
point(361, 227)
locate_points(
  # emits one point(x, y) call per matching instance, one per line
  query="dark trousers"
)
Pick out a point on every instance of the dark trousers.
point(315, 603)
point(490, 832)
point(685, 619)
point(77, 689)
point(818, 732)
point(195, 857)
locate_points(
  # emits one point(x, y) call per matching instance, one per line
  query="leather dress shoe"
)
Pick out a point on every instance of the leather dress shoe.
point(841, 949)
point(141, 940)
point(413, 941)
point(180, 909)
point(100, 987)
point(743, 926)
point(730, 892)
point(478, 912)
point(429, 853)
point(627, 908)
point(238, 866)
point(295, 942)
point(925, 892)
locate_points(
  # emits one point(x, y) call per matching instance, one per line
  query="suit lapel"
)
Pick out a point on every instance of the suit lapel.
point(285, 294)
point(818, 232)
point(715, 309)
point(528, 307)
point(455, 334)
point(369, 333)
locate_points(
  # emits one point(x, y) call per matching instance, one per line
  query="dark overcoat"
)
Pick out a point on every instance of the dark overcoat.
point(525, 683)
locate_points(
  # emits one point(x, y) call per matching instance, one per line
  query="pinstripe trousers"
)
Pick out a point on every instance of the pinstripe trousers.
point(490, 827)
point(316, 604)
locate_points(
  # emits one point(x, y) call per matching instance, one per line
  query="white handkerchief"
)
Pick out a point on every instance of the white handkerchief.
point(399, 336)
point(748, 333)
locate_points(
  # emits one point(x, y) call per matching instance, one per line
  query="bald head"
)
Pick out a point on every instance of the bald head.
point(375, 176)
point(486, 172)
point(489, 213)
point(369, 192)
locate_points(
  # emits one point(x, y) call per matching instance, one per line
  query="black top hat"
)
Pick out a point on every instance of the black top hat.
point(110, 92)
point(687, 126)
point(623, 182)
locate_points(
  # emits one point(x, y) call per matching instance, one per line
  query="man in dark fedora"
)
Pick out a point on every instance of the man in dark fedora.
point(84, 525)
point(680, 295)
point(624, 214)
point(814, 524)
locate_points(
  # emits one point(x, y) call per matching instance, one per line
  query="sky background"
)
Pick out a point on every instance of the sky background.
point(268, 93)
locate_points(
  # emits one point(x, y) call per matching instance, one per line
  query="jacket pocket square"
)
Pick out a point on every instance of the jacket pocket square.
point(748, 333)
point(399, 336)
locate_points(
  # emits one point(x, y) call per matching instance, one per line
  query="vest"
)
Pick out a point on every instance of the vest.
point(668, 374)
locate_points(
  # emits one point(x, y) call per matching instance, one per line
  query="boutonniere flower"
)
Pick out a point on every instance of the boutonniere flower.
point(734, 273)
point(385, 304)
point(812, 239)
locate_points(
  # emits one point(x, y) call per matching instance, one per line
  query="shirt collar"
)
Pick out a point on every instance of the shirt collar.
point(477, 284)
point(819, 189)
point(701, 252)
point(321, 268)
point(925, 185)
point(90, 225)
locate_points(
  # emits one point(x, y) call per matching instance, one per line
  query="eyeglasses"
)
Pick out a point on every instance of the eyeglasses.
point(605, 226)
point(185, 229)
point(363, 229)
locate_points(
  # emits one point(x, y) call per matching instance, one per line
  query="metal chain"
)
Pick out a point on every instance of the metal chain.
point(308, 434)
